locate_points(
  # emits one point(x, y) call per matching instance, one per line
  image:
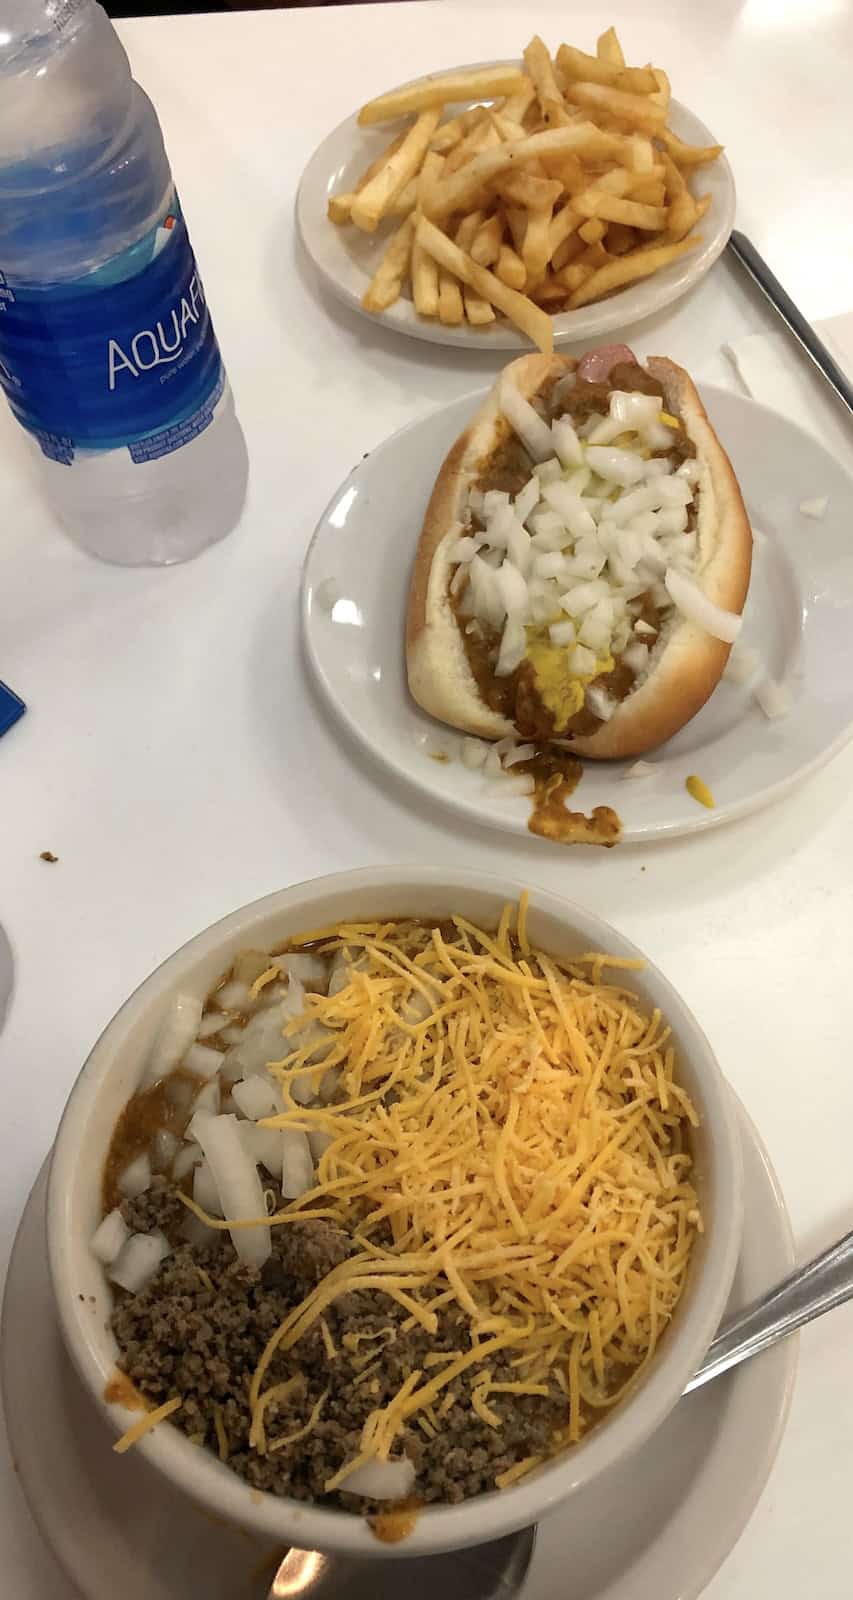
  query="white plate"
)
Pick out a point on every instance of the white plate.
point(346, 258)
point(799, 615)
point(672, 1513)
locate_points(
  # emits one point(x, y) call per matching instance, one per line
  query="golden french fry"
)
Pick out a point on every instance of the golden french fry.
point(651, 193)
point(431, 171)
point(682, 206)
point(688, 155)
point(424, 282)
point(549, 292)
point(339, 208)
point(535, 252)
point(509, 267)
point(526, 316)
point(504, 126)
point(567, 170)
point(377, 195)
point(567, 251)
point(477, 310)
point(594, 256)
point(598, 203)
point(541, 69)
point(385, 285)
point(574, 275)
point(340, 205)
point(465, 189)
point(467, 229)
point(635, 110)
point(406, 200)
point(577, 66)
point(629, 269)
point(619, 238)
point(662, 93)
point(486, 246)
point(451, 310)
point(450, 88)
point(592, 231)
point(563, 224)
point(609, 49)
point(483, 136)
point(516, 105)
point(532, 194)
point(640, 153)
point(517, 221)
point(448, 134)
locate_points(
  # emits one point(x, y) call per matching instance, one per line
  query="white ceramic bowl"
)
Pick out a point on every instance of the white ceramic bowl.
point(112, 1072)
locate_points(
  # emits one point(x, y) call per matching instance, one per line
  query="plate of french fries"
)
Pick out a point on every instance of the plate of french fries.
point(539, 201)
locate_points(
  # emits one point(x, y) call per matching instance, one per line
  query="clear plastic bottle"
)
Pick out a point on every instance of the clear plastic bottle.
point(107, 352)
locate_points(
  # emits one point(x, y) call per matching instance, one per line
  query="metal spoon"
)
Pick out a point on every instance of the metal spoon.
point(495, 1571)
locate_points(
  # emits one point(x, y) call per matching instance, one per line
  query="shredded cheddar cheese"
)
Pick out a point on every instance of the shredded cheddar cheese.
point(144, 1425)
point(508, 1138)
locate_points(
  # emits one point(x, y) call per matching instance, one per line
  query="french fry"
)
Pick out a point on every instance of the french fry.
point(387, 282)
point(688, 155)
point(609, 49)
point(464, 189)
point(486, 246)
point(517, 221)
point(451, 309)
point(598, 203)
point(377, 195)
point(567, 169)
point(530, 193)
point(682, 206)
point(449, 88)
point(549, 292)
point(424, 282)
point(483, 136)
point(339, 208)
point(520, 310)
point(509, 268)
point(477, 310)
point(562, 225)
point(340, 205)
point(504, 126)
point(516, 105)
point(662, 93)
point(629, 269)
point(431, 171)
point(635, 110)
point(640, 153)
point(541, 70)
point(574, 275)
point(567, 251)
point(535, 252)
point(406, 200)
point(594, 255)
point(576, 65)
point(592, 231)
point(467, 229)
point(449, 133)
point(650, 193)
point(619, 238)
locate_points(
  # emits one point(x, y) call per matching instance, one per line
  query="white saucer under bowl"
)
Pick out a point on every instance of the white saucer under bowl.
point(670, 1515)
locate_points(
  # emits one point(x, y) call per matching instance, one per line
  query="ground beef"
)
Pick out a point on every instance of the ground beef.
point(182, 1336)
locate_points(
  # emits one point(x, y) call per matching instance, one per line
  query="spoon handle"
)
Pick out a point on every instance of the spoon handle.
point(821, 1285)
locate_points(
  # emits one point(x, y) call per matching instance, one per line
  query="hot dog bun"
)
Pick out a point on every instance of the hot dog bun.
point(686, 663)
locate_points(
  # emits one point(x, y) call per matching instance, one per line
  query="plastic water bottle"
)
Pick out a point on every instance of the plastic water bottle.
point(107, 351)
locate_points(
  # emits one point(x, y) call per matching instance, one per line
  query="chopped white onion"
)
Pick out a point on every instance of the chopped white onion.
point(601, 704)
point(473, 753)
point(645, 628)
point(109, 1238)
point(566, 442)
point(205, 1192)
point(176, 1033)
point(318, 1143)
point(513, 785)
point(527, 500)
point(550, 565)
point(492, 765)
point(136, 1177)
point(690, 470)
point(234, 996)
point(583, 596)
point(311, 971)
point(298, 1168)
point(257, 1097)
point(615, 466)
point(640, 769)
point(570, 507)
point(513, 589)
point(562, 633)
point(595, 634)
point(164, 1148)
point(208, 1097)
point(381, 1480)
point(512, 648)
point(139, 1260)
point(636, 657)
point(264, 1145)
point(774, 698)
point(533, 432)
point(493, 500)
point(187, 1157)
point(522, 752)
point(633, 409)
point(815, 508)
point(238, 1185)
point(203, 1061)
point(303, 1089)
point(463, 549)
point(212, 1022)
point(582, 661)
point(697, 608)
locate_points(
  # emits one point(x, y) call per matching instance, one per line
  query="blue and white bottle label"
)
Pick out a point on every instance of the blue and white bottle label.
point(126, 356)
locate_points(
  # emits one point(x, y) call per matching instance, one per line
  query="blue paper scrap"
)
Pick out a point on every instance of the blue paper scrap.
point(11, 708)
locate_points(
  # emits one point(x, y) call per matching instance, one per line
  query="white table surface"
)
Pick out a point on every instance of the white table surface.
point(177, 762)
